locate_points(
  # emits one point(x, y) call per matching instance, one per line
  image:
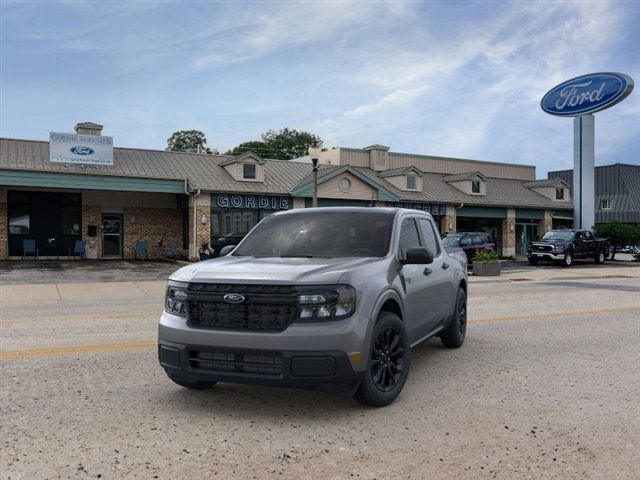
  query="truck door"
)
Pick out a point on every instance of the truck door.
point(440, 296)
point(579, 245)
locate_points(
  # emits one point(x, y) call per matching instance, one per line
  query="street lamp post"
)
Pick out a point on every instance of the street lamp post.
point(314, 153)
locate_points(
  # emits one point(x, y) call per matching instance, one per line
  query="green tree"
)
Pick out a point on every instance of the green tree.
point(619, 234)
point(184, 140)
point(289, 143)
point(283, 144)
point(255, 146)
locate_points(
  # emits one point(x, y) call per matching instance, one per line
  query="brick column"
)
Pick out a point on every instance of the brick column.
point(202, 208)
point(4, 238)
point(92, 215)
point(448, 222)
point(4, 225)
point(509, 233)
point(545, 224)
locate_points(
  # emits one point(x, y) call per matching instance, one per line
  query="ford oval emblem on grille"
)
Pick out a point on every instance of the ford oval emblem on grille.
point(234, 298)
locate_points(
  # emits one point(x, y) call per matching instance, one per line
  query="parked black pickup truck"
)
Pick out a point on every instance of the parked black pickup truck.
point(567, 245)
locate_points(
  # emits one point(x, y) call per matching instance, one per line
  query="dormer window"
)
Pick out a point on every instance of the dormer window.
point(249, 171)
point(559, 193)
point(411, 182)
point(605, 204)
point(475, 186)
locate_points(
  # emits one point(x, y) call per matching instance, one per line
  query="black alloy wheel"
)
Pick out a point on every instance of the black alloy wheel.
point(387, 359)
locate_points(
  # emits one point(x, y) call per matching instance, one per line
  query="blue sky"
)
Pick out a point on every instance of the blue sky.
point(459, 79)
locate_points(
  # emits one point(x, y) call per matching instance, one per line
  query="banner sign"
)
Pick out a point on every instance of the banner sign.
point(587, 94)
point(232, 200)
point(80, 149)
point(425, 207)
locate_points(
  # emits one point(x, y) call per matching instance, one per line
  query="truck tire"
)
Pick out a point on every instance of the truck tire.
point(388, 362)
point(568, 260)
point(532, 260)
point(192, 385)
point(453, 336)
point(600, 257)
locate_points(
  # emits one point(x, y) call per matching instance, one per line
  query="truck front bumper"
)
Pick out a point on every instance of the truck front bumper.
point(324, 370)
point(557, 257)
point(324, 355)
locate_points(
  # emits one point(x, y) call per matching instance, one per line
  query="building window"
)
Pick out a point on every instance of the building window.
point(605, 204)
point(475, 186)
point(559, 193)
point(411, 182)
point(19, 220)
point(249, 171)
point(70, 214)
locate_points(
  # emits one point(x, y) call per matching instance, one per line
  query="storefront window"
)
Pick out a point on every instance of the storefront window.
point(19, 221)
point(70, 214)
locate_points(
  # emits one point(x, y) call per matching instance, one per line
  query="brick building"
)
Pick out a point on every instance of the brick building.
point(188, 199)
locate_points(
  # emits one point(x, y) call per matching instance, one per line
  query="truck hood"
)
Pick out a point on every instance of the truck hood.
point(298, 271)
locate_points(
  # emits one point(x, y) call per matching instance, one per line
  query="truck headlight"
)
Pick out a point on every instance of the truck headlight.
point(559, 248)
point(318, 304)
point(175, 301)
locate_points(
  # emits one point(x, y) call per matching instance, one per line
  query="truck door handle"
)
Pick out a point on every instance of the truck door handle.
point(445, 265)
point(427, 271)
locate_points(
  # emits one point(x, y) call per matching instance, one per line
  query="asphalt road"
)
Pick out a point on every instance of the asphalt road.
point(547, 385)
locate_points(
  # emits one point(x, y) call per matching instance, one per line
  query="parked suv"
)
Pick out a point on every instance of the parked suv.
point(330, 298)
point(470, 242)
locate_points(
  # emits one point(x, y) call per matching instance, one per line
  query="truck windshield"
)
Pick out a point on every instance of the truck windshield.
point(320, 234)
point(558, 235)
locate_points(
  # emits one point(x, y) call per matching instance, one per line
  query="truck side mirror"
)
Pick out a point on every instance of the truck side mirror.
point(417, 256)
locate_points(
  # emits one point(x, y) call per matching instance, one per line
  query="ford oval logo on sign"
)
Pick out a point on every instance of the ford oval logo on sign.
point(587, 94)
point(82, 150)
point(233, 298)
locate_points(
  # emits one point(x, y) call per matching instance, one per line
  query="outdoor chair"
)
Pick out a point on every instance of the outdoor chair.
point(141, 248)
point(80, 249)
point(172, 250)
point(29, 248)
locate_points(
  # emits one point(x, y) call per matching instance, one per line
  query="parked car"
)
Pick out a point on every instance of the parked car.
point(329, 298)
point(470, 242)
point(565, 246)
point(225, 240)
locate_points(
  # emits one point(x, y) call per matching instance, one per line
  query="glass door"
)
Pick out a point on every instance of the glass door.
point(525, 233)
point(111, 235)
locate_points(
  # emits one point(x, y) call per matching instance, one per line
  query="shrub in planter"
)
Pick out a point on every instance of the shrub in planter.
point(486, 264)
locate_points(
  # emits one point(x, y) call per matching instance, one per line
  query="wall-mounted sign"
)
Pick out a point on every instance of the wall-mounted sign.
point(587, 94)
point(232, 200)
point(425, 207)
point(80, 149)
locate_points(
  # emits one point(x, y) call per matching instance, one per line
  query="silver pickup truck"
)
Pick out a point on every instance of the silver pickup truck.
point(329, 298)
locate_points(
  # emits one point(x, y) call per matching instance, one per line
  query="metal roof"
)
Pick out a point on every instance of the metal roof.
point(281, 177)
point(202, 171)
point(547, 182)
point(463, 176)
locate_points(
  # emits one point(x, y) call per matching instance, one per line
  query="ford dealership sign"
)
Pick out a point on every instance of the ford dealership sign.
point(587, 94)
point(80, 149)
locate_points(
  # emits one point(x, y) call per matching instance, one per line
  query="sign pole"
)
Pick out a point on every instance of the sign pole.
point(583, 172)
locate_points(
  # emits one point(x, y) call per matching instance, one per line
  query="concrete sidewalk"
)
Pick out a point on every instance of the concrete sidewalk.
point(78, 292)
point(130, 290)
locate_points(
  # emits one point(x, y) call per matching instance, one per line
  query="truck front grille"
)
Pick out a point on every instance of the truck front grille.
point(543, 248)
point(265, 307)
point(221, 361)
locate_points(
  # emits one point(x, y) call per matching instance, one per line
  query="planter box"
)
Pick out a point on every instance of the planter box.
point(486, 269)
